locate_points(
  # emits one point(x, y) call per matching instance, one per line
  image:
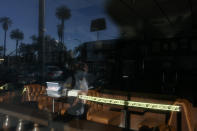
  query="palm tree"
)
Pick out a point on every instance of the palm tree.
point(17, 35)
point(63, 13)
point(6, 23)
point(59, 32)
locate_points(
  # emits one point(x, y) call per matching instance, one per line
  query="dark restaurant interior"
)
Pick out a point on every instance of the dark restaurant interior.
point(92, 65)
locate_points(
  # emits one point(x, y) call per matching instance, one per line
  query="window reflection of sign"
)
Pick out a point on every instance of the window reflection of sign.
point(98, 24)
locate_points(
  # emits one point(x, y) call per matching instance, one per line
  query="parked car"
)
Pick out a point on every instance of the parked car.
point(29, 74)
point(27, 77)
point(53, 73)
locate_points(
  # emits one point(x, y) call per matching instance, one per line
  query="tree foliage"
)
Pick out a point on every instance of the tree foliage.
point(6, 23)
point(16, 34)
point(63, 13)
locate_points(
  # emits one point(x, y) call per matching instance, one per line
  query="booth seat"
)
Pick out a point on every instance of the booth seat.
point(102, 113)
point(105, 113)
point(106, 117)
point(36, 92)
point(6, 97)
point(153, 118)
point(148, 118)
point(112, 114)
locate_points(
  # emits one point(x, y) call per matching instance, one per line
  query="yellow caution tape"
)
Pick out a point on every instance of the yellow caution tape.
point(154, 106)
point(2, 87)
point(24, 90)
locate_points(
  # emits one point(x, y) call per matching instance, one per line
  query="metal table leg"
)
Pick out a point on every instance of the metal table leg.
point(20, 126)
point(53, 105)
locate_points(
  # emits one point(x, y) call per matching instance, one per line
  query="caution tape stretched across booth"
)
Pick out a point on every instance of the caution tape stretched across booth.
point(154, 106)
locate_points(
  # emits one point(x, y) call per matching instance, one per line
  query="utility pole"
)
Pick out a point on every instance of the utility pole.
point(41, 28)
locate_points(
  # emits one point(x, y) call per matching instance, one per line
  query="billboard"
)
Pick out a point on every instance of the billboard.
point(98, 24)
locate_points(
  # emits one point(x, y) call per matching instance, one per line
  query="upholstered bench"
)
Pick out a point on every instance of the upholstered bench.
point(152, 121)
point(106, 117)
point(101, 113)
